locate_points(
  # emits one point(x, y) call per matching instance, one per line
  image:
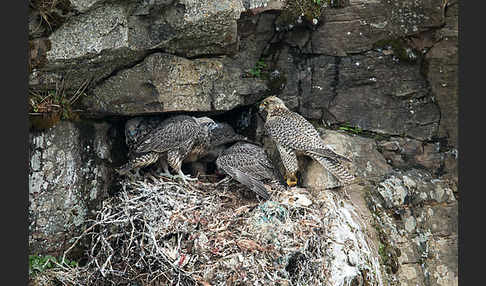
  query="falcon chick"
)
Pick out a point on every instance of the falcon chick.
point(219, 137)
point(249, 164)
point(223, 133)
point(138, 127)
point(169, 141)
point(292, 133)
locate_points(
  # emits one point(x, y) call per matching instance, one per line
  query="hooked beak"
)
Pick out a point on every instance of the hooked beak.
point(214, 125)
point(260, 108)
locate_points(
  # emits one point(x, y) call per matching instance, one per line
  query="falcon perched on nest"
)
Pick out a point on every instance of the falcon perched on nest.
point(249, 164)
point(170, 141)
point(293, 133)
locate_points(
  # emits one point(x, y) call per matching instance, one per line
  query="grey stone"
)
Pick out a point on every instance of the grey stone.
point(368, 90)
point(120, 25)
point(64, 165)
point(374, 90)
point(167, 83)
point(84, 5)
point(355, 28)
point(442, 74)
point(262, 4)
point(401, 153)
point(255, 32)
point(127, 30)
point(177, 27)
point(100, 29)
point(419, 214)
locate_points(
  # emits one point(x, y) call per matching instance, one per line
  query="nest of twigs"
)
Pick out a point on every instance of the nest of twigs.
point(157, 232)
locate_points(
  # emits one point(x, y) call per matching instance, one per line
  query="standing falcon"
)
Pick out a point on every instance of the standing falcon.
point(249, 164)
point(293, 133)
point(168, 141)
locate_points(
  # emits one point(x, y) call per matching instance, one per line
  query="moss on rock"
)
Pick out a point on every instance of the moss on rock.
point(400, 50)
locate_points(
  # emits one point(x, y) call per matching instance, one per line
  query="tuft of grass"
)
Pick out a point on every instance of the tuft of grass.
point(256, 71)
point(306, 13)
point(54, 101)
point(347, 127)
point(38, 264)
point(50, 12)
point(400, 50)
point(47, 107)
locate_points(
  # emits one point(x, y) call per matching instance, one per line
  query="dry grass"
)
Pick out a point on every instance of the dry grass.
point(54, 102)
point(49, 12)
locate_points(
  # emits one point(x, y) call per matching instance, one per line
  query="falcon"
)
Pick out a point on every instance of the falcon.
point(168, 141)
point(293, 135)
point(220, 136)
point(138, 127)
point(249, 164)
point(223, 133)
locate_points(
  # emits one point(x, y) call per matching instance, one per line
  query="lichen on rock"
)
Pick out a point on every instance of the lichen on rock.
point(60, 172)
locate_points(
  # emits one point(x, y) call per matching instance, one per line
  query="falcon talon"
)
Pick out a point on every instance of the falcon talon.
point(291, 182)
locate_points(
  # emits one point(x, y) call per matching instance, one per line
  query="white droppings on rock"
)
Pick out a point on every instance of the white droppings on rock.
point(349, 251)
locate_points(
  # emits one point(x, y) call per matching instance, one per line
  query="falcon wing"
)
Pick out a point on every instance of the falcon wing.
point(325, 152)
point(242, 168)
point(262, 166)
point(335, 168)
point(290, 130)
point(249, 181)
point(294, 131)
point(173, 132)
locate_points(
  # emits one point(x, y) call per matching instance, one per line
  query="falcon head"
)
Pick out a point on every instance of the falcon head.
point(206, 122)
point(133, 125)
point(223, 133)
point(271, 103)
point(133, 128)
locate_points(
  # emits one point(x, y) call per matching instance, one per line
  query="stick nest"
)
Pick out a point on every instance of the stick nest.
point(158, 232)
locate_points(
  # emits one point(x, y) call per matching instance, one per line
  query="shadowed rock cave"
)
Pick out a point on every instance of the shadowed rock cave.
point(243, 120)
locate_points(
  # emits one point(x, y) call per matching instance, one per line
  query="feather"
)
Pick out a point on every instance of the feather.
point(249, 164)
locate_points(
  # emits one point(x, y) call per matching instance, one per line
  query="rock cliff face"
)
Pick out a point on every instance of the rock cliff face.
point(378, 79)
point(69, 177)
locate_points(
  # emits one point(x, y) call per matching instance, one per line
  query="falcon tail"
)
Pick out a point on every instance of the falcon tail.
point(329, 154)
point(335, 168)
point(138, 161)
point(253, 184)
